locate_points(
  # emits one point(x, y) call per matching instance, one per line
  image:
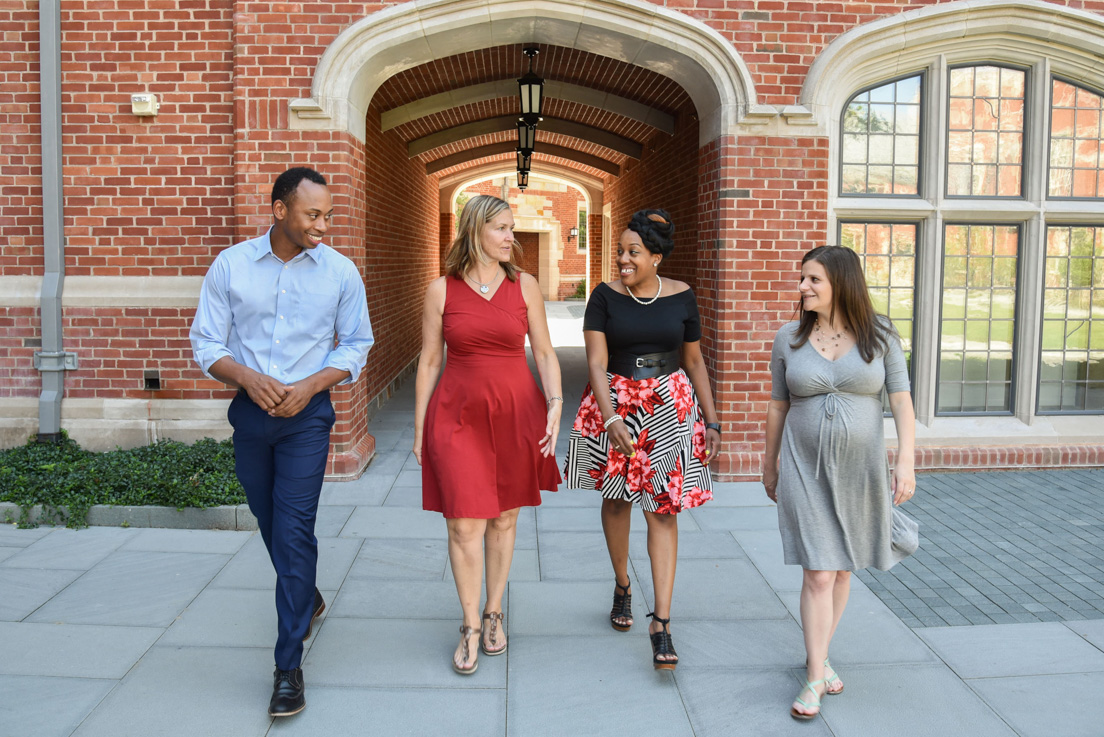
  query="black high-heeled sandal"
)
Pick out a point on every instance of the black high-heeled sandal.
point(662, 645)
point(622, 607)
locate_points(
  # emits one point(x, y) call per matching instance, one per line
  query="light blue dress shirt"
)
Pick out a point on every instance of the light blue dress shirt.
point(281, 319)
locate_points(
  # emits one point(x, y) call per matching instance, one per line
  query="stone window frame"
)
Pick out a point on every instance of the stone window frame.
point(931, 208)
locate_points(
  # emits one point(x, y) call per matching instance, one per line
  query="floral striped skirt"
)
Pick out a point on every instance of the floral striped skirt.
point(667, 473)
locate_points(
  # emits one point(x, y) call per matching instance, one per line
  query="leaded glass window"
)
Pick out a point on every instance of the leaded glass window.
point(978, 318)
point(985, 132)
point(888, 253)
point(1071, 369)
point(1015, 183)
point(881, 140)
point(1076, 141)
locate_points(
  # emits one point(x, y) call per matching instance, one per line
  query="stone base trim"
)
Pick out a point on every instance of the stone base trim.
point(745, 466)
point(227, 517)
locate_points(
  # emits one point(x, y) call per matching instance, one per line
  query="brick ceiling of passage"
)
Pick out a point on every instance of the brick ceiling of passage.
point(552, 108)
point(554, 139)
point(553, 63)
point(508, 160)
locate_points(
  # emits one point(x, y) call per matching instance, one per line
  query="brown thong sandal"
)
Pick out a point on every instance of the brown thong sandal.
point(496, 619)
point(465, 633)
point(622, 607)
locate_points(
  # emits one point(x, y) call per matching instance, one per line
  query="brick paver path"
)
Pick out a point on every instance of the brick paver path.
point(1001, 547)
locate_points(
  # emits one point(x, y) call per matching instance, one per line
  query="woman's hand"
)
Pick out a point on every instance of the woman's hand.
point(418, 449)
point(552, 429)
point(712, 444)
point(770, 482)
point(620, 439)
point(903, 483)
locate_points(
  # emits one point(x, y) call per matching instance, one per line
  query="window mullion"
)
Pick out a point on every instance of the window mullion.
point(1029, 296)
point(929, 255)
point(925, 339)
point(1029, 317)
point(1036, 135)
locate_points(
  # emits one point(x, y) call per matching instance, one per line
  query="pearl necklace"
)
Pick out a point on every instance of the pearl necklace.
point(653, 299)
point(483, 288)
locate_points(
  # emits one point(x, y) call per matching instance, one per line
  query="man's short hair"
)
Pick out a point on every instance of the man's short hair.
point(288, 182)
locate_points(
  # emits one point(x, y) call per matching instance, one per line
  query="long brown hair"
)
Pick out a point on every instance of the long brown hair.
point(849, 299)
point(466, 249)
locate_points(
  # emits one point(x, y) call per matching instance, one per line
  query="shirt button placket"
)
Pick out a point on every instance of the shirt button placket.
point(278, 327)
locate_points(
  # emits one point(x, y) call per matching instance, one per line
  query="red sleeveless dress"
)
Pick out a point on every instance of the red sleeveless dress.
point(480, 452)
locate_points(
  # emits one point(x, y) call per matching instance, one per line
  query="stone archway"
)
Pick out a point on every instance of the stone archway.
point(640, 33)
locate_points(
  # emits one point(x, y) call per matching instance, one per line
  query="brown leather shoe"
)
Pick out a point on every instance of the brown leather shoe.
point(319, 607)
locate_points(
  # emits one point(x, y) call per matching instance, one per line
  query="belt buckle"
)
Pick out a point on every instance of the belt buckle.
point(640, 363)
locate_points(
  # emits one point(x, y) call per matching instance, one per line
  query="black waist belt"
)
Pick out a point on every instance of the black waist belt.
point(644, 365)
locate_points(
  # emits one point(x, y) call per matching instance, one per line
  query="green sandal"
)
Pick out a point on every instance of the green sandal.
point(811, 687)
point(831, 678)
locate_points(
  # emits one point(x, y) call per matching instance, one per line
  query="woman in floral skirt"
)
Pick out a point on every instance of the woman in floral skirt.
point(641, 436)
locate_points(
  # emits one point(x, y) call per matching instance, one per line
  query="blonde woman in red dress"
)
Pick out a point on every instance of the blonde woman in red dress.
point(484, 434)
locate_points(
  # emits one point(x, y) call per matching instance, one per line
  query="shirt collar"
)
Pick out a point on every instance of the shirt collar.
point(264, 248)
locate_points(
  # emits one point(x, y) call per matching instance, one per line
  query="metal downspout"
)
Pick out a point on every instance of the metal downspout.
point(51, 361)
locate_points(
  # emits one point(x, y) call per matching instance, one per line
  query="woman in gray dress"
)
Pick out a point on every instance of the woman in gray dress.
point(836, 498)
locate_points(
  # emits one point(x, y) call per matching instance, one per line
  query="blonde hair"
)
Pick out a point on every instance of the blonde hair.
point(466, 249)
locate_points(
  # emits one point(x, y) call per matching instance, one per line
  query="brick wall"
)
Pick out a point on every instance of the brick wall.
point(595, 237)
point(19, 331)
point(765, 234)
point(529, 261)
point(665, 178)
point(20, 147)
point(147, 196)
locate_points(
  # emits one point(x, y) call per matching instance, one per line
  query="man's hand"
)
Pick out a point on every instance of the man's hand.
point(297, 397)
point(265, 391)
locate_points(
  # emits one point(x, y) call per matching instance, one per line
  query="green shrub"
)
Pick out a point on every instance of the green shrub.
point(63, 476)
point(580, 290)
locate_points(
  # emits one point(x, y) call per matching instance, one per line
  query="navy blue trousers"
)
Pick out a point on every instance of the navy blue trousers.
point(280, 462)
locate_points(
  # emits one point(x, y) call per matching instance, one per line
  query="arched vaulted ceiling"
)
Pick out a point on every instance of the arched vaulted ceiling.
point(459, 112)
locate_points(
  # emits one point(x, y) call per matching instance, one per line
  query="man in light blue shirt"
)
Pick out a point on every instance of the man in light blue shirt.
point(283, 318)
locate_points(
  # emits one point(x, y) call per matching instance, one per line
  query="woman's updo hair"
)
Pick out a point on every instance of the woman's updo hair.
point(655, 230)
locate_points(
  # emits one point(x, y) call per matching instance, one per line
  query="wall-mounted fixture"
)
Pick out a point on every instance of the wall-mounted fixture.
point(151, 380)
point(572, 234)
point(144, 105)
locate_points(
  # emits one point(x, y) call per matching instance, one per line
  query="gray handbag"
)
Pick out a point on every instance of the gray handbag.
point(904, 534)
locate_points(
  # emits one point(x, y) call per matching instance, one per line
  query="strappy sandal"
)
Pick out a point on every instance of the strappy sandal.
point(662, 645)
point(466, 632)
point(831, 678)
point(622, 607)
point(814, 704)
point(496, 618)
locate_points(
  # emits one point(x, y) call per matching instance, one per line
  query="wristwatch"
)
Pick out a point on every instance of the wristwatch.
point(713, 426)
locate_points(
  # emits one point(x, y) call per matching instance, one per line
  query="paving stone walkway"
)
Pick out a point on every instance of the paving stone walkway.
point(118, 632)
point(1001, 547)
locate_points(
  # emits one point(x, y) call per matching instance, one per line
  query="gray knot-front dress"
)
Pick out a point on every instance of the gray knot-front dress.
point(835, 507)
